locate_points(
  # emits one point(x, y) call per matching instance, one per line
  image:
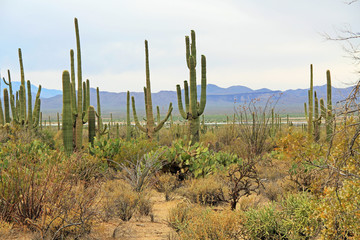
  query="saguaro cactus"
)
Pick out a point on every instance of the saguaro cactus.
point(67, 122)
point(150, 129)
point(31, 118)
point(101, 129)
point(329, 115)
point(128, 123)
point(193, 109)
point(311, 103)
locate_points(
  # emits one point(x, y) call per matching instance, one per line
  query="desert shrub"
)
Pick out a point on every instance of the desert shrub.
point(298, 216)
point(293, 218)
point(141, 173)
point(272, 190)
point(180, 216)
point(166, 183)
point(193, 222)
point(86, 167)
point(265, 223)
point(209, 224)
point(145, 205)
point(120, 150)
point(118, 200)
point(72, 215)
point(255, 128)
point(208, 191)
point(28, 174)
point(40, 189)
point(242, 180)
point(5, 228)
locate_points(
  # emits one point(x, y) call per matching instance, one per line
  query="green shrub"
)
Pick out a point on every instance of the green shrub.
point(265, 223)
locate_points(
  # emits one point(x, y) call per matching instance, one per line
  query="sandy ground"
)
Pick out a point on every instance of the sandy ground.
point(142, 228)
point(136, 228)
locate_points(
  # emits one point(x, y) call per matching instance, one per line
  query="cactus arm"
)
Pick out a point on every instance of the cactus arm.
point(135, 116)
point(30, 120)
point(23, 96)
point(73, 92)
point(322, 107)
point(193, 46)
point(12, 101)
point(180, 105)
point(22, 105)
point(203, 86)
point(160, 125)
point(187, 47)
point(36, 111)
point(186, 97)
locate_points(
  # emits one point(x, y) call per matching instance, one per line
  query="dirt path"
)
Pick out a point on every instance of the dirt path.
point(142, 228)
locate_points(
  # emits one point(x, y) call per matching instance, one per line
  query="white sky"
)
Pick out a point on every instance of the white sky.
point(255, 43)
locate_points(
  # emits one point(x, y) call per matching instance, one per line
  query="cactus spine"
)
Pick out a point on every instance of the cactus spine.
point(150, 128)
point(193, 109)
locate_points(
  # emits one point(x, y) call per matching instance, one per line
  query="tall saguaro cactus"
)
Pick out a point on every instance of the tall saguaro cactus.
point(78, 104)
point(329, 121)
point(128, 123)
point(311, 103)
point(150, 129)
point(67, 122)
point(193, 109)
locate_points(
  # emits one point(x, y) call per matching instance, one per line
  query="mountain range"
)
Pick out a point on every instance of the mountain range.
point(219, 100)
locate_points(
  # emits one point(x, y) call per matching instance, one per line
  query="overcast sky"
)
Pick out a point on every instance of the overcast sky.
point(255, 43)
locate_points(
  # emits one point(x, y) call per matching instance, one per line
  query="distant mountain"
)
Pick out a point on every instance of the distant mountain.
point(45, 93)
point(219, 100)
